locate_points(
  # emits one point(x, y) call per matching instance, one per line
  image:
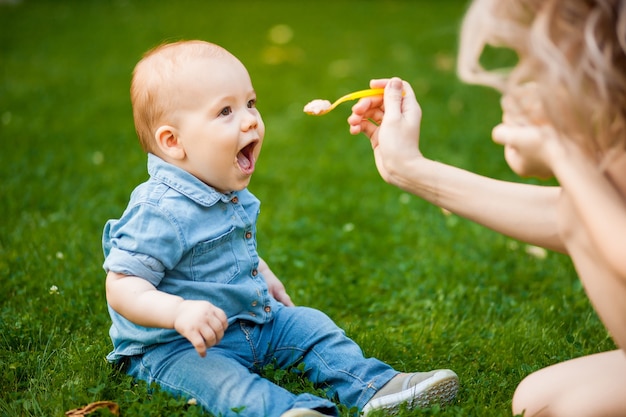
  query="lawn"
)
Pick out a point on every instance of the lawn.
point(413, 286)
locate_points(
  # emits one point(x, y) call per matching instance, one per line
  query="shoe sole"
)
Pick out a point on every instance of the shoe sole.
point(440, 389)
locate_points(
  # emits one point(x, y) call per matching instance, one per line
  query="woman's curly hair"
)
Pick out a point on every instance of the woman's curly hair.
point(573, 50)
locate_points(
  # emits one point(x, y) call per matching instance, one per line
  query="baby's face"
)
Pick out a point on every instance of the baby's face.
point(218, 123)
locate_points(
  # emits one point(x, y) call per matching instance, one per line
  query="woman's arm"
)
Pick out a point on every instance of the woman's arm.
point(521, 211)
point(524, 212)
point(599, 200)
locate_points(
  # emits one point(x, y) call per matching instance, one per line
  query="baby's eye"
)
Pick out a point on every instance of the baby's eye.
point(252, 103)
point(226, 111)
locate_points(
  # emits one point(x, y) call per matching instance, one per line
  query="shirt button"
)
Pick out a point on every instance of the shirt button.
point(268, 309)
point(248, 235)
point(235, 200)
point(255, 272)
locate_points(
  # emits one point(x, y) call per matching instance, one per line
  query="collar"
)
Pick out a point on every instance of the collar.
point(185, 183)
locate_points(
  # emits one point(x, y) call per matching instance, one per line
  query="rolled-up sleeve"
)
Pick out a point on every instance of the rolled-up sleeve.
point(144, 242)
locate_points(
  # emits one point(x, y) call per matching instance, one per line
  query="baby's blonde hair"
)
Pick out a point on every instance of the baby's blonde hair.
point(574, 50)
point(153, 87)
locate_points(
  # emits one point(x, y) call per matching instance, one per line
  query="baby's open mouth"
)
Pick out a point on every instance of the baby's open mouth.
point(245, 158)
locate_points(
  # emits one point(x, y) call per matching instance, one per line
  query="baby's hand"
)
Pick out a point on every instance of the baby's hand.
point(275, 287)
point(202, 323)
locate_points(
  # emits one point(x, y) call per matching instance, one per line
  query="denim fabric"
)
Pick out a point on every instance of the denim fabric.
point(190, 240)
point(227, 377)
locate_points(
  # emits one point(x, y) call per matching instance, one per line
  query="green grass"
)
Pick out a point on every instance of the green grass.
point(412, 286)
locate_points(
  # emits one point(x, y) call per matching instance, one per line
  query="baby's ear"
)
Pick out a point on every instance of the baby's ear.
point(168, 142)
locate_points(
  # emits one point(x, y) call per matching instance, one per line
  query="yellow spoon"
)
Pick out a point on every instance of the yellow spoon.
point(319, 107)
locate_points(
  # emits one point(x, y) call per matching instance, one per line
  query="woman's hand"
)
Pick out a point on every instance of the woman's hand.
point(392, 123)
point(527, 149)
point(530, 143)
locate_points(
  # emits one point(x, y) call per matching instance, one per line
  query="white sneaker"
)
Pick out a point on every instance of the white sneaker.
point(419, 390)
point(302, 412)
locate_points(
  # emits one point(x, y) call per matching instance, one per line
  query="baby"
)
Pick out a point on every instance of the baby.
point(194, 308)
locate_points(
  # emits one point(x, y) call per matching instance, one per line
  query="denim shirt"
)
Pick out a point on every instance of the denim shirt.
point(187, 239)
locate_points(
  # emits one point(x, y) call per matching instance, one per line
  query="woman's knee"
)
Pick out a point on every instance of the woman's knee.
point(541, 394)
point(524, 397)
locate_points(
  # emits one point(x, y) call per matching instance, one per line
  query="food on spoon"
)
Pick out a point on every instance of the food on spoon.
point(317, 106)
